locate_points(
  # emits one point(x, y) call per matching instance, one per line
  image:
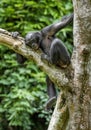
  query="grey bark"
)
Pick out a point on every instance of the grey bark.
point(81, 115)
point(78, 103)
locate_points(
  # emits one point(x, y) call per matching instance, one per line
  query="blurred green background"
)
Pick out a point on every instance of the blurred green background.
point(22, 87)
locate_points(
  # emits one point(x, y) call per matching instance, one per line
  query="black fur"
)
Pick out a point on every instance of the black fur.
point(53, 49)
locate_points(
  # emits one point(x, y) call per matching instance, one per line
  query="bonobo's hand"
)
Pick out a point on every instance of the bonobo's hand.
point(44, 58)
point(15, 34)
point(20, 58)
point(64, 18)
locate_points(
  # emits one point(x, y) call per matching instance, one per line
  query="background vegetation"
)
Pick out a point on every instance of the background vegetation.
point(22, 87)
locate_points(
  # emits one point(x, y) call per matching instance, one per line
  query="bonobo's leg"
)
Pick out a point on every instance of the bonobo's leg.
point(58, 54)
point(50, 88)
point(51, 93)
point(20, 58)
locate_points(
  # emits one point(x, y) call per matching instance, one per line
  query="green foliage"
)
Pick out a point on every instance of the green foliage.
point(28, 15)
point(24, 104)
point(22, 92)
point(22, 87)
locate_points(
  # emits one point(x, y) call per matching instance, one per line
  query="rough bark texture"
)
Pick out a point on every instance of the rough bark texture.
point(80, 114)
point(77, 105)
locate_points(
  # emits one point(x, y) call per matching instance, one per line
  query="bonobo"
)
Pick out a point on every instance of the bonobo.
point(54, 51)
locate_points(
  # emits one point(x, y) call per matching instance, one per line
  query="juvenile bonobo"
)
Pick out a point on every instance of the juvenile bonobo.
point(53, 49)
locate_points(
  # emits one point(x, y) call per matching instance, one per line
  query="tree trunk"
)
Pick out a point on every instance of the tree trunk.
point(77, 105)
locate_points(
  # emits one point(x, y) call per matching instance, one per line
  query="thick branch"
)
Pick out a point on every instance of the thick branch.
point(60, 115)
point(57, 75)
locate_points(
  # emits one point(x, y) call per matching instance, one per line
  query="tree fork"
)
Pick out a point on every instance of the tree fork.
point(62, 78)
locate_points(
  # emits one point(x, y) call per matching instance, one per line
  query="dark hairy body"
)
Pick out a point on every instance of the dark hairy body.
point(54, 51)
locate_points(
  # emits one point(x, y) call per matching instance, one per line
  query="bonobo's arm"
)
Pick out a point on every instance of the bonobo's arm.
point(54, 28)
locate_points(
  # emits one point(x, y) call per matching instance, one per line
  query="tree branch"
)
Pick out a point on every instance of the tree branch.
point(61, 77)
point(58, 76)
point(60, 115)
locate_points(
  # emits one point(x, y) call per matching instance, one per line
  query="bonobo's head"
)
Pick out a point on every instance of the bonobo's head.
point(33, 39)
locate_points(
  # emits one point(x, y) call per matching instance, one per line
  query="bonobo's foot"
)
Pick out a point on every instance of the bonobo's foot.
point(50, 103)
point(15, 34)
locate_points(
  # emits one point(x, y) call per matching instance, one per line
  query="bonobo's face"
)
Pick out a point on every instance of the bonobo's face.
point(32, 39)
